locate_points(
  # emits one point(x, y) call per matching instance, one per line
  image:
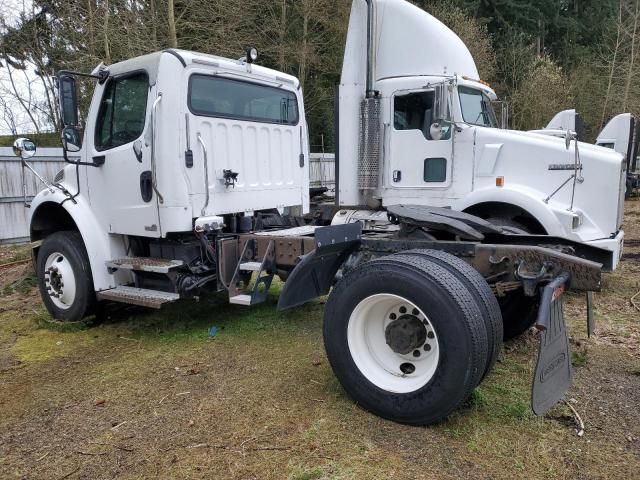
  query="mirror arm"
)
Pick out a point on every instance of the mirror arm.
point(72, 162)
point(102, 77)
point(50, 187)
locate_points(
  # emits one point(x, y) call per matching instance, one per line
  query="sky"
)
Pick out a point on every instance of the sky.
point(9, 13)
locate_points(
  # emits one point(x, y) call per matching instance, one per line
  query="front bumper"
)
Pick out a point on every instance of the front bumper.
point(615, 246)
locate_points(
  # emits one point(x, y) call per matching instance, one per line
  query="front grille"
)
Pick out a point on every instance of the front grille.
point(59, 176)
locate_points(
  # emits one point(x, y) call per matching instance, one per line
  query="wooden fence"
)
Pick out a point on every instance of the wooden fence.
point(14, 226)
point(14, 216)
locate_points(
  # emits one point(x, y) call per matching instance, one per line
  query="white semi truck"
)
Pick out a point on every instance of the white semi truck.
point(622, 134)
point(190, 175)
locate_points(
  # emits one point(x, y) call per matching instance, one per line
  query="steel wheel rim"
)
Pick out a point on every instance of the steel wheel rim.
point(59, 280)
point(375, 358)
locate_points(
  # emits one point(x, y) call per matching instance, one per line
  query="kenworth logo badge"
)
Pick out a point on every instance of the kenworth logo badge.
point(564, 166)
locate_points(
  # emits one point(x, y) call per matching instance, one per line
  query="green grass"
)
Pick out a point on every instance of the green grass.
point(579, 358)
point(311, 474)
point(23, 285)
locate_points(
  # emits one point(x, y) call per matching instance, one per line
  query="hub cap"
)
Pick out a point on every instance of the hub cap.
point(59, 280)
point(393, 343)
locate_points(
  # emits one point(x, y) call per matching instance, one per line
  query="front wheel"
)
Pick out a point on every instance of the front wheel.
point(406, 339)
point(64, 277)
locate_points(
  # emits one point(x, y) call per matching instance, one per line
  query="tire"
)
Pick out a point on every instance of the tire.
point(509, 225)
point(477, 285)
point(452, 358)
point(64, 277)
point(519, 313)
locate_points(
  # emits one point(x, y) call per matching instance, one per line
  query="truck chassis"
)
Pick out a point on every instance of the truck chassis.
point(413, 323)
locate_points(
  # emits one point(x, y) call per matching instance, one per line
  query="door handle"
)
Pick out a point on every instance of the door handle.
point(99, 160)
point(146, 186)
point(154, 177)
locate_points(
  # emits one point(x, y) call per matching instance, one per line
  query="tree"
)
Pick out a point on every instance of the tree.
point(543, 92)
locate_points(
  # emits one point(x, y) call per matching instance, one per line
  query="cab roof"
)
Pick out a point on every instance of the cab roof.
point(151, 64)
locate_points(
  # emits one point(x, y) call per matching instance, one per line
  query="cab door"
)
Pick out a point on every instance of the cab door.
point(121, 187)
point(420, 151)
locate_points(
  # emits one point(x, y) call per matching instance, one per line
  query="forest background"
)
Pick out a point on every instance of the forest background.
point(541, 57)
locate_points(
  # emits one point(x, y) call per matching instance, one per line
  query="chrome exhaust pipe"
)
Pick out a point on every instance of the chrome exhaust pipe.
point(370, 48)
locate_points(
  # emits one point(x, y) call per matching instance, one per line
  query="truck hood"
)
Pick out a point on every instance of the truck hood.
point(542, 164)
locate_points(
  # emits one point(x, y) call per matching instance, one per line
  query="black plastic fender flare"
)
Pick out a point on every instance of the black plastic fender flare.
point(316, 272)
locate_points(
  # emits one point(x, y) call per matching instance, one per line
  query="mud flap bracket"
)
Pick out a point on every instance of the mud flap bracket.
point(552, 377)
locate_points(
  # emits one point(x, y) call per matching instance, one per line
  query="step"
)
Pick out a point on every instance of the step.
point(289, 232)
point(241, 300)
point(138, 296)
point(144, 264)
point(251, 266)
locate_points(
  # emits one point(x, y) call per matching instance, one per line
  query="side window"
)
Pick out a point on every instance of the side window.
point(123, 111)
point(435, 170)
point(235, 99)
point(414, 111)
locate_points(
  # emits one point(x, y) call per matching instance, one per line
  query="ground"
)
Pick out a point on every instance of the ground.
point(156, 395)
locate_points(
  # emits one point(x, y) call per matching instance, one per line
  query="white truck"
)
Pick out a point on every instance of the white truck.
point(191, 176)
point(622, 134)
point(522, 180)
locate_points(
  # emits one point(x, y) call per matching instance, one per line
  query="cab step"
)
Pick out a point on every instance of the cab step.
point(241, 300)
point(239, 291)
point(144, 264)
point(138, 296)
point(251, 266)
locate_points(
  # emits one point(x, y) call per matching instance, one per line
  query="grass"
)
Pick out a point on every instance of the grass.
point(259, 400)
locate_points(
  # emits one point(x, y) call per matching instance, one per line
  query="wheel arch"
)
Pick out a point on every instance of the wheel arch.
point(526, 200)
point(513, 212)
point(50, 215)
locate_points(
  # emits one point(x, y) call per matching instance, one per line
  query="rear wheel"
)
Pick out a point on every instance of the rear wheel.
point(64, 277)
point(406, 339)
point(480, 289)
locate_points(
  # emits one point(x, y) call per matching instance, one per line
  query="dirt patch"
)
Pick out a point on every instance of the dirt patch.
point(147, 395)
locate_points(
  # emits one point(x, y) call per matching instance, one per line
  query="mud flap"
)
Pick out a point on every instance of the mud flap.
point(552, 377)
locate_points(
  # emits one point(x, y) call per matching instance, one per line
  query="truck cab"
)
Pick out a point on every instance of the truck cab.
point(438, 142)
point(172, 141)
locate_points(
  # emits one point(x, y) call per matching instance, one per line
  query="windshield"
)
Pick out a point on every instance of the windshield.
point(476, 107)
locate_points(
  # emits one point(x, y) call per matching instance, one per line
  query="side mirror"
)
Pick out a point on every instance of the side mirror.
point(68, 101)
point(502, 107)
point(71, 139)
point(441, 111)
point(24, 148)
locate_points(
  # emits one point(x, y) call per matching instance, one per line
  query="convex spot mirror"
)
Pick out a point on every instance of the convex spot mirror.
point(71, 140)
point(24, 148)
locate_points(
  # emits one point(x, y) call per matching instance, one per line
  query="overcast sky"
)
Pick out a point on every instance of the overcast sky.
point(9, 12)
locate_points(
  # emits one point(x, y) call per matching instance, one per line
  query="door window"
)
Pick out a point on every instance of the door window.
point(414, 111)
point(435, 170)
point(123, 111)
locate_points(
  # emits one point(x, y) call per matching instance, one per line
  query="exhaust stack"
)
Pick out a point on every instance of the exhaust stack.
point(369, 147)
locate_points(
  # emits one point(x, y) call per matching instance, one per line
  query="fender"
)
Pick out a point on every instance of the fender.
point(524, 198)
point(100, 245)
point(315, 274)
